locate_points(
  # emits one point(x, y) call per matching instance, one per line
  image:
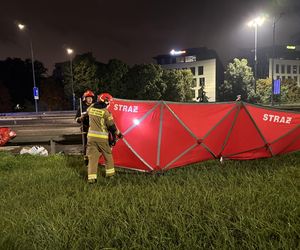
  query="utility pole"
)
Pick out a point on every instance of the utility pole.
point(273, 56)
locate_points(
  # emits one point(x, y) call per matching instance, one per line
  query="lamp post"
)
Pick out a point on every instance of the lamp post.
point(275, 20)
point(35, 90)
point(258, 21)
point(70, 52)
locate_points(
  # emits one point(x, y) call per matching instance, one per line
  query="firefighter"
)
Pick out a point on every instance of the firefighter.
point(87, 100)
point(101, 124)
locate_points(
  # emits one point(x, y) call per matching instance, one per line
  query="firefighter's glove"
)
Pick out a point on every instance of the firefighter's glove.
point(79, 119)
point(120, 135)
point(112, 142)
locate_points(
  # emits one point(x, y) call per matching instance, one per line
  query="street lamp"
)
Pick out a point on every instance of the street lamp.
point(258, 21)
point(35, 90)
point(275, 20)
point(70, 52)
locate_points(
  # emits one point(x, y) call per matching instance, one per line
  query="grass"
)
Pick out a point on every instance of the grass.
point(45, 203)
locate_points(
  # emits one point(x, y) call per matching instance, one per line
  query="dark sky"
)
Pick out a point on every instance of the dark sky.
point(136, 30)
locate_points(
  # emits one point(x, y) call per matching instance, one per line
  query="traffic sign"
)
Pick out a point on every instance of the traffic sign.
point(36, 93)
point(277, 87)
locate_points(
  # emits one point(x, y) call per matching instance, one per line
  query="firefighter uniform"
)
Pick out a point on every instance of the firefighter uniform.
point(101, 123)
point(84, 120)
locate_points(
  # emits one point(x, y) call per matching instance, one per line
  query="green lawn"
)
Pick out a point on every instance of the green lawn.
point(45, 203)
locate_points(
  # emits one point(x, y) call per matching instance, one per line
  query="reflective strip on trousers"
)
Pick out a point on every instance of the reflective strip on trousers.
point(110, 171)
point(92, 176)
point(97, 134)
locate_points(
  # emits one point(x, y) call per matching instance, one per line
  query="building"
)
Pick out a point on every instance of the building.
point(204, 64)
point(287, 67)
point(286, 63)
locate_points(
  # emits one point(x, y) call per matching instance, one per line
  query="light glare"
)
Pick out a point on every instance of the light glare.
point(177, 52)
point(21, 26)
point(258, 21)
point(136, 121)
point(292, 47)
point(69, 51)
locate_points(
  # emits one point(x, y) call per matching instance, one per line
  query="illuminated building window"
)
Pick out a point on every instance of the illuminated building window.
point(193, 70)
point(190, 59)
point(202, 81)
point(194, 83)
point(294, 69)
point(200, 70)
point(180, 59)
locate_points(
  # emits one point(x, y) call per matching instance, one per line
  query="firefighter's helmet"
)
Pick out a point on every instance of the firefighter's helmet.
point(87, 93)
point(105, 97)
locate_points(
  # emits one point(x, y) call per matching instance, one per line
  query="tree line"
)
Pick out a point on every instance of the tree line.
point(141, 81)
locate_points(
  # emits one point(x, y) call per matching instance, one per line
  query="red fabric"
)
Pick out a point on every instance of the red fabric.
point(4, 136)
point(164, 135)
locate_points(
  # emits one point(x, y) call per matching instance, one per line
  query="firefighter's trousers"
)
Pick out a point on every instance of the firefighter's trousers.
point(95, 148)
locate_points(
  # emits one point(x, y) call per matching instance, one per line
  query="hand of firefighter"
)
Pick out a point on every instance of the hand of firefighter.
point(120, 135)
point(112, 139)
point(112, 143)
point(79, 119)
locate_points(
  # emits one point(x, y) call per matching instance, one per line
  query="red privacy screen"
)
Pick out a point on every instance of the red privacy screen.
point(162, 135)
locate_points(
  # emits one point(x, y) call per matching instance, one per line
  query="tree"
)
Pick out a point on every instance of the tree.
point(264, 90)
point(6, 104)
point(290, 91)
point(239, 80)
point(84, 75)
point(112, 76)
point(178, 84)
point(16, 75)
point(52, 96)
point(144, 82)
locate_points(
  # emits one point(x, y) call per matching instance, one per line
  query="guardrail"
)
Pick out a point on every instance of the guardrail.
point(56, 131)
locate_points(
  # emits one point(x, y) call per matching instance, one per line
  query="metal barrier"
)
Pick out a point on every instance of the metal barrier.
point(54, 130)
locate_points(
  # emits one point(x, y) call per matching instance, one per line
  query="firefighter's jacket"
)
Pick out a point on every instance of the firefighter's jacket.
point(85, 121)
point(100, 120)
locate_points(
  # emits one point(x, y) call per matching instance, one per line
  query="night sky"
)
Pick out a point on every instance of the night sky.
point(136, 30)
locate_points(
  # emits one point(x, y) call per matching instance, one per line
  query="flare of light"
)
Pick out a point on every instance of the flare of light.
point(69, 51)
point(136, 121)
point(257, 21)
point(177, 52)
point(21, 26)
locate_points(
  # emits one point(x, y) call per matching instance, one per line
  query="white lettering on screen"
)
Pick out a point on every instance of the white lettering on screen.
point(126, 108)
point(277, 118)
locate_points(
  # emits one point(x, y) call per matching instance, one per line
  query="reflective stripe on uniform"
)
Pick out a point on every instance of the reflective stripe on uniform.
point(93, 133)
point(92, 176)
point(110, 172)
point(98, 136)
